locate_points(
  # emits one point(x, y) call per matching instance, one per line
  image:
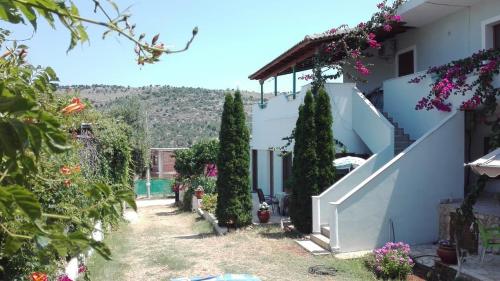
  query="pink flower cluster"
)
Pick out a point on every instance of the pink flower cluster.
point(489, 67)
point(372, 41)
point(361, 68)
point(471, 104)
point(393, 260)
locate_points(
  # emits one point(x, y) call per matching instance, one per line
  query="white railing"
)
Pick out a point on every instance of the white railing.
point(378, 135)
point(400, 201)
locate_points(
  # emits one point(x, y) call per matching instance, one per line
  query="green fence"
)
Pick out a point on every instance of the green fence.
point(159, 187)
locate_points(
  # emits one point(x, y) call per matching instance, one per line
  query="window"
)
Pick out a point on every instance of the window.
point(287, 169)
point(496, 36)
point(271, 172)
point(254, 170)
point(406, 63)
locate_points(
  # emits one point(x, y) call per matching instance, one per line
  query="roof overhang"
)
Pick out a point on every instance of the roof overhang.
point(301, 56)
point(418, 13)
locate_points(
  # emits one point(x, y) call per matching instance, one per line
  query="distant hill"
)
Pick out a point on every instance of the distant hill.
point(177, 116)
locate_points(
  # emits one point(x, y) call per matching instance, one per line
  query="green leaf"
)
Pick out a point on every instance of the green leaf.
point(9, 140)
point(13, 104)
point(12, 245)
point(127, 196)
point(25, 201)
point(9, 13)
point(28, 12)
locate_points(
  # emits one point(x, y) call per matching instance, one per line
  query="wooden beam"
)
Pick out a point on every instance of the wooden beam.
point(292, 63)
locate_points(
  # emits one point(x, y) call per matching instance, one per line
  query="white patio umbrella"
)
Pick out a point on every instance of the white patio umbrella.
point(487, 165)
point(348, 162)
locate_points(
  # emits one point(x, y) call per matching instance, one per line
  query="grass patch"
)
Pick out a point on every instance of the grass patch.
point(101, 269)
point(202, 226)
point(172, 260)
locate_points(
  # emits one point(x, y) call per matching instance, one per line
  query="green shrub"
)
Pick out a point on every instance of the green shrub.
point(209, 203)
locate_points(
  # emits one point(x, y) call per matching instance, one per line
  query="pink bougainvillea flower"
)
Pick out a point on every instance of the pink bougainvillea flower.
point(396, 18)
point(38, 276)
point(75, 106)
point(388, 27)
point(355, 54)
point(372, 41)
point(361, 68)
point(381, 5)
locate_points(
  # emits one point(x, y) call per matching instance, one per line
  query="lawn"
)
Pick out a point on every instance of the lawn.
point(166, 243)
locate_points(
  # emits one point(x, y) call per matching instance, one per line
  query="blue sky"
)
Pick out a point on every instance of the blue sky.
point(235, 39)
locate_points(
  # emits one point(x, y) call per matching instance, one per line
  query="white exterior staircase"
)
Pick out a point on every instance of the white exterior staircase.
point(395, 195)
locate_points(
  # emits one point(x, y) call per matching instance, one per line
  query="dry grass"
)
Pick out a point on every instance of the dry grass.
point(166, 244)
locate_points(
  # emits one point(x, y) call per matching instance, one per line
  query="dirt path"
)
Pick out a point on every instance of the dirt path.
point(165, 243)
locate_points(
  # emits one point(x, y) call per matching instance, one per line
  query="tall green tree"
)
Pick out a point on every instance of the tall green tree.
point(325, 147)
point(242, 162)
point(305, 167)
point(234, 202)
point(224, 164)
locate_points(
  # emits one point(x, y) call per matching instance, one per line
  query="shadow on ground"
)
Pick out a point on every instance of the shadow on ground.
point(170, 213)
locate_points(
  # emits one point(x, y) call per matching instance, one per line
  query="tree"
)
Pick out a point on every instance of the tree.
point(234, 202)
point(133, 113)
point(305, 167)
point(325, 148)
point(242, 162)
point(223, 160)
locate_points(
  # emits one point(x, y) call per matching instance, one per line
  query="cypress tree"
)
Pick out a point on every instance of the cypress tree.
point(325, 148)
point(305, 167)
point(243, 202)
point(224, 164)
point(234, 201)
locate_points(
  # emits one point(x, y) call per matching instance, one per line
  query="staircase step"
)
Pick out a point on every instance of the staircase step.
point(325, 230)
point(312, 247)
point(321, 240)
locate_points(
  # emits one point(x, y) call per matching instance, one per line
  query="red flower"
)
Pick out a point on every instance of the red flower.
point(38, 276)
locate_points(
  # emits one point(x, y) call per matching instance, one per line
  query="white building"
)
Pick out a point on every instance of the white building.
point(417, 157)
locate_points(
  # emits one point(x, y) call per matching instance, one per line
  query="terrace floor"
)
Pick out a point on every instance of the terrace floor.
point(276, 217)
point(472, 268)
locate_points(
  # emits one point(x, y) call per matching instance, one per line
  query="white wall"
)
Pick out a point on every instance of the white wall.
point(277, 120)
point(453, 37)
point(406, 191)
point(378, 134)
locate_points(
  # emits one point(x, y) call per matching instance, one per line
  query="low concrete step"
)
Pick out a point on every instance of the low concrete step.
point(325, 230)
point(321, 240)
point(312, 247)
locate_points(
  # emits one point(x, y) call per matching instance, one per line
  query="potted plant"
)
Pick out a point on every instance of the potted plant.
point(263, 212)
point(447, 252)
point(199, 192)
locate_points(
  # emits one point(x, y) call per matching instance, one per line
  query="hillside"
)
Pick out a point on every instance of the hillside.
point(177, 116)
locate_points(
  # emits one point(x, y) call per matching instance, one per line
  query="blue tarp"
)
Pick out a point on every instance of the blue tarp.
point(225, 277)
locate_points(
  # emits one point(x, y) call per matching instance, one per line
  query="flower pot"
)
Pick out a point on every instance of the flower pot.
point(447, 254)
point(199, 194)
point(263, 216)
